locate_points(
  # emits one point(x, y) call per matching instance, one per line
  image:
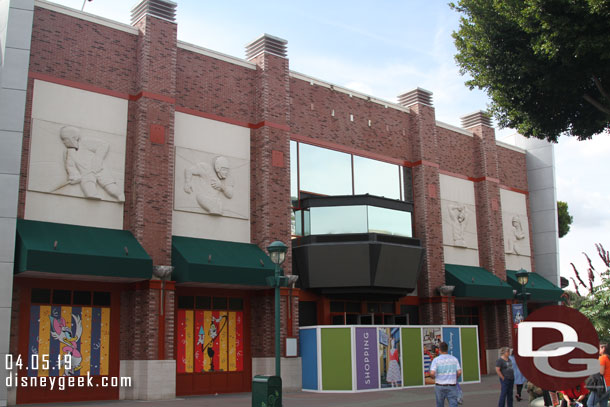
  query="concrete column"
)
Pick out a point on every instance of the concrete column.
point(427, 202)
point(15, 37)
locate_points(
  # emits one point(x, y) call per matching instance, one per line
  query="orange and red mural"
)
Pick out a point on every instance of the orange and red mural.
point(209, 341)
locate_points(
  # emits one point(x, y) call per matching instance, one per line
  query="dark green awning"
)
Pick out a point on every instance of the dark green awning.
point(79, 250)
point(541, 289)
point(476, 282)
point(219, 262)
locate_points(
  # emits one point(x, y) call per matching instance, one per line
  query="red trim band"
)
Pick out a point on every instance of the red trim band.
point(78, 85)
point(349, 150)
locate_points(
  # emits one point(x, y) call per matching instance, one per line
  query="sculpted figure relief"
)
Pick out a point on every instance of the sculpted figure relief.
point(515, 235)
point(215, 183)
point(459, 218)
point(84, 163)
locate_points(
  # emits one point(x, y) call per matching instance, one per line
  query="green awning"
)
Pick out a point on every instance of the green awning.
point(541, 289)
point(476, 282)
point(69, 249)
point(219, 262)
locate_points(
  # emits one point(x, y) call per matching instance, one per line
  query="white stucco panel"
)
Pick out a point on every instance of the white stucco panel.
point(459, 215)
point(515, 224)
point(77, 157)
point(211, 179)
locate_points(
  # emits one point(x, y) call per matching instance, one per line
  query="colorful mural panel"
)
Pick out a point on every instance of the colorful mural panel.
point(68, 341)
point(431, 341)
point(359, 358)
point(367, 371)
point(209, 341)
point(389, 357)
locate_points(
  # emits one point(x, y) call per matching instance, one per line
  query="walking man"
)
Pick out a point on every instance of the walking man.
point(504, 369)
point(446, 370)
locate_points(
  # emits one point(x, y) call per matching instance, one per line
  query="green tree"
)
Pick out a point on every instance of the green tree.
point(545, 64)
point(564, 218)
point(595, 303)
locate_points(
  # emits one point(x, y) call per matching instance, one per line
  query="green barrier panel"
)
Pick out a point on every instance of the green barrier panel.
point(336, 358)
point(413, 364)
point(470, 355)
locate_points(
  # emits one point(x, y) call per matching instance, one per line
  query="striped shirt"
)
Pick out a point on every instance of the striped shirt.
point(446, 367)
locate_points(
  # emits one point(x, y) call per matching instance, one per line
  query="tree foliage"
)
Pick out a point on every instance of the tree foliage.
point(595, 302)
point(564, 218)
point(545, 64)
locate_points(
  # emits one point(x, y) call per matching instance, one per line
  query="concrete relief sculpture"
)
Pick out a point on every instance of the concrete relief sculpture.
point(84, 164)
point(515, 237)
point(216, 184)
point(458, 214)
point(211, 184)
point(76, 162)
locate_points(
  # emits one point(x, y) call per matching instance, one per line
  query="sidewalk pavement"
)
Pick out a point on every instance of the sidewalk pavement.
point(483, 394)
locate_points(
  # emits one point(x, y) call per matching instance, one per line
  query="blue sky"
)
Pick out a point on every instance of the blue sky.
point(384, 49)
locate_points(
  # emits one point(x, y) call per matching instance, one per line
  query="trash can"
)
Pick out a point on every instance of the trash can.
point(266, 391)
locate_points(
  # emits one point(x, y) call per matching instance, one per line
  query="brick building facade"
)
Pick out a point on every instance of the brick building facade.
point(168, 115)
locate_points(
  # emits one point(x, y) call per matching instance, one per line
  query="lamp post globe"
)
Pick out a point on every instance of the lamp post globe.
point(277, 252)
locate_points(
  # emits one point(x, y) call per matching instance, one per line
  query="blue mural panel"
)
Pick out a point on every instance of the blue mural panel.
point(309, 358)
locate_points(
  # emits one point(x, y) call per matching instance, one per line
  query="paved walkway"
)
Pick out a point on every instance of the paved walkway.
point(479, 394)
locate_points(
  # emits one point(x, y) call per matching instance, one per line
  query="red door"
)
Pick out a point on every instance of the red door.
point(212, 344)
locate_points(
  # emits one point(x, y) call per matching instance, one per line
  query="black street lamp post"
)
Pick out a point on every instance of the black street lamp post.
point(523, 278)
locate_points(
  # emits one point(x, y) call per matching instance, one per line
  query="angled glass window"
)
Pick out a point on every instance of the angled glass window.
point(323, 171)
point(389, 221)
point(294, 172)
point(376, 178)
point(331, 220)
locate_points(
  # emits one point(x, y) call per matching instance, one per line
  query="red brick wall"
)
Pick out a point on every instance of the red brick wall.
point(456, 152)
point(213, 86)
point(512, 168)
point(310, 114)
point(70, 48)
point(139, 323)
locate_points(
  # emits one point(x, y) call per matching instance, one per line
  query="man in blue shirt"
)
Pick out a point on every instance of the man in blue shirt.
point(445, 369)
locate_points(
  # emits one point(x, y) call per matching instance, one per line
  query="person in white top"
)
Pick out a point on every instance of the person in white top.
point(446, 370)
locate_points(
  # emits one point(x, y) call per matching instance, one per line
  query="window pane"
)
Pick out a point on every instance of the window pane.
point(101, 299)
point(351, 319)
point(62, 297)
point(203, 302)
point(338, 219)
point(41, 295)
point(387, 308)
point(297, 223)
point(219, 303)
point(236, 304)
point(293, 171)
point(324, 171)
point(389, 221)
point(338, 320)
point(186, 301)
point(337, 306)
point(82, 298)
point(353, 307)
point(376, 178)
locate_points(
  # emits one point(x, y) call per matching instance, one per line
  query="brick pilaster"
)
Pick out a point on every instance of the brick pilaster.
point(489, 220)
point(427, 203)
point(270, 165)
point(149, 176)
